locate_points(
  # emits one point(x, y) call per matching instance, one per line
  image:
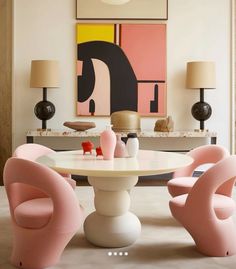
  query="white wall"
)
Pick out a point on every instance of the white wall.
point(197, 30)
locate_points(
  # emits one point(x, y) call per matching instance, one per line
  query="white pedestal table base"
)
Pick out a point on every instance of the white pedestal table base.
point(112, 225)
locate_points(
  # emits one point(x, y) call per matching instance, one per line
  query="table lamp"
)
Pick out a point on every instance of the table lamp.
point(44, 74)
point(201, 75)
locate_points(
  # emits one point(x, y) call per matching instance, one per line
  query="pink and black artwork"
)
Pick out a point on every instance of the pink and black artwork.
point(121, 67)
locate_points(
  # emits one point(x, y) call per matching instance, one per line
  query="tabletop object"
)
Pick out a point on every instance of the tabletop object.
point(79, 125)
point(125, 121)
point(112, 225)
point(164, 125)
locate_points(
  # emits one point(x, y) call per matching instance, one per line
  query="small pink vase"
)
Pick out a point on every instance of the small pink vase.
point(108, 143)
point(120, 149)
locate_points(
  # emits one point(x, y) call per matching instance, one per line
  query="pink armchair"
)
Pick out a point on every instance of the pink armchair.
point(44, 210)
point(205, 214)
point(33, 151)
point(183, 179)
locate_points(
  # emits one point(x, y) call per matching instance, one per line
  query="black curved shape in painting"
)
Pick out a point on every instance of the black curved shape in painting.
point(92, 107)
point(123, 86)
point(86, 81)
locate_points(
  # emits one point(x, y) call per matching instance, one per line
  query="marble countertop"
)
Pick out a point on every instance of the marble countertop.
point(71, 133)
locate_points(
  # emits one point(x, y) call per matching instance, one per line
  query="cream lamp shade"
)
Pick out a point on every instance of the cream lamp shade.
point(44, 74)
point(115, 2)
point(201, 75)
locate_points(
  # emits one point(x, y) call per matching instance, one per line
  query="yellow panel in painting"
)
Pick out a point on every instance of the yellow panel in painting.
point(91, 32)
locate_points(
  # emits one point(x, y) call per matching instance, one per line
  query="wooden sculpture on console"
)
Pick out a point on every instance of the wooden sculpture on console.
point(165, 125)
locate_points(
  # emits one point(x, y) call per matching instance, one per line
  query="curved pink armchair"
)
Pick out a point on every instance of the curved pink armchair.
point(33, 151)
point(207, 215)
point(183, 179)
point(43, 220)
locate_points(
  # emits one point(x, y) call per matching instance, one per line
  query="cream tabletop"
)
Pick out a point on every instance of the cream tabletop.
point(146, 163)
point(112, 224)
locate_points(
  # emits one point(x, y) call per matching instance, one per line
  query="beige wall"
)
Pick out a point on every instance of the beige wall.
point(196, 30)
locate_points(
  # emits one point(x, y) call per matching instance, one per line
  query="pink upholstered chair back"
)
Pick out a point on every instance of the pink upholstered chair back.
point(208, 183)
point(31, 151)
point(213, 236)
point(207, 154)
point(36, 246)
point(20, 174)
point(202, 155)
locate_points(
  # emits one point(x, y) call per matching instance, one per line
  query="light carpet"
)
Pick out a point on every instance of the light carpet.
point(163, 242)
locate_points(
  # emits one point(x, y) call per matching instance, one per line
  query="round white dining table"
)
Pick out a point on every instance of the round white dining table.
point(112, 224)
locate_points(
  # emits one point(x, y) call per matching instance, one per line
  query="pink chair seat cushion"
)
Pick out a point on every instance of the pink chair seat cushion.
point(224, 206)
point(34, 213)
point(180, 185)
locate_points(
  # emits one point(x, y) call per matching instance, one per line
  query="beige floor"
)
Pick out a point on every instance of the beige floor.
point(163, 243)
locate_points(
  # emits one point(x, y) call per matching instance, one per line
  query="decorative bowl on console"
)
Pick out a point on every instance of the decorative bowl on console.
point(79, 125)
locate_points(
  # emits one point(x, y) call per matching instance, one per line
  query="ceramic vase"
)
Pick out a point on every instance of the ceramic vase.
point(132, 145)
point(120, 149)
point(108, 143)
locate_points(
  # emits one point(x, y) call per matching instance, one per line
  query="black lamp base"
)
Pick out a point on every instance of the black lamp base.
point(44, 110)
point(201, 111)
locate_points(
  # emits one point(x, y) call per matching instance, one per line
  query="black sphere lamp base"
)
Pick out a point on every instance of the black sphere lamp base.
point(201, 111)
point(44, 110)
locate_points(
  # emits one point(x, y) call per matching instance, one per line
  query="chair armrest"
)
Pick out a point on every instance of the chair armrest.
point(199, 199)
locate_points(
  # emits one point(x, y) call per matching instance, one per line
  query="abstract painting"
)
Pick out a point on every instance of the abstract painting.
point(121, 67)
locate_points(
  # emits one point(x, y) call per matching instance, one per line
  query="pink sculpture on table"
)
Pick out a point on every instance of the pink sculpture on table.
point(33, 151)
point(207, 215)
point(45, 213)
point(183, 179)
point(87, 146)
